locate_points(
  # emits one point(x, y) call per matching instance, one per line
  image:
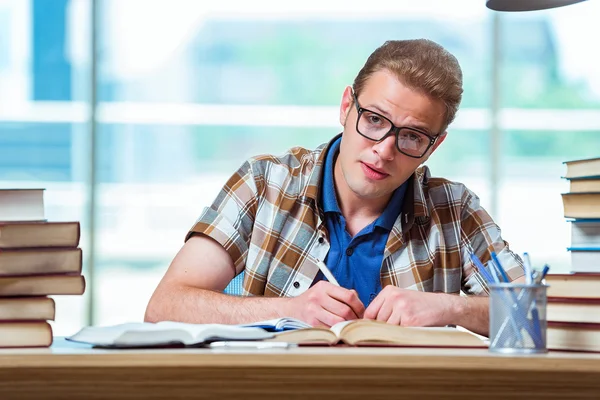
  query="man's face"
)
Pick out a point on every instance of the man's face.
point(372, 169)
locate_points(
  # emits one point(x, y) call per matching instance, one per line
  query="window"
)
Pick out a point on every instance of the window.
point(188, 90)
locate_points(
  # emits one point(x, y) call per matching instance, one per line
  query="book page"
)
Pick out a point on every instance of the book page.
point(161, 333)
point(367, 331)
point(107, 335)
point(337, 328)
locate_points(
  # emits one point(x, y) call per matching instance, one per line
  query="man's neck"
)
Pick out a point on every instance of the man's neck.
point(353, 207)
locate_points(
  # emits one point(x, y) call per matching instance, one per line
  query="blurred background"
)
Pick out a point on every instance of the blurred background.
point(180, 92)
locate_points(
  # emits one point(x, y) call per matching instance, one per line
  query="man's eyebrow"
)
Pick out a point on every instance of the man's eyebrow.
point(418, 125)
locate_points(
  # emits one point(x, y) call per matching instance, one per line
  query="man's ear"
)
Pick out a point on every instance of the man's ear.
point(439, 141)
point(346, 105)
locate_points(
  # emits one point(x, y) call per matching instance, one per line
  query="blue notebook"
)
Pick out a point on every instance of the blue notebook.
point(279, 324)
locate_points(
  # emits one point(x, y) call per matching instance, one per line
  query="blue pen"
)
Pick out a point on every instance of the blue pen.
point(499, 266)
point(481, 268)
point(528, 269)
point(522, 317)
point(491, 278)
point(544, 272)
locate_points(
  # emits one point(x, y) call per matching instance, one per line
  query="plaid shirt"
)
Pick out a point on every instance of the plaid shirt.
point(268, 218)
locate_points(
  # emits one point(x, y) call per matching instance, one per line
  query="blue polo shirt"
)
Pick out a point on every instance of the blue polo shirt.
point(355, 261)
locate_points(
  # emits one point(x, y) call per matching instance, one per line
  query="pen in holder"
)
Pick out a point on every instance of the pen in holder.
point(518, 318)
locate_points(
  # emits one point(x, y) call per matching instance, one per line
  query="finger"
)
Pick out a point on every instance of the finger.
point(395, 318)
point(338, 308)
point(385, 311)
point(348, 297)
point(327, 318)
point(373, 309)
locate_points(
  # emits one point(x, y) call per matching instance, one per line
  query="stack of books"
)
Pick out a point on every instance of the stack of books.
point(38, 259)
point(574, 298)
point(582, 208)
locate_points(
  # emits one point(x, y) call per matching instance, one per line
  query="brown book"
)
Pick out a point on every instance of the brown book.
point(584, 168)
point(22, 205)
point(581, 205)
point(39, 234)
point(25, 334)
point(27, 309)
point(373, 333)
point(47, 285)
point(22, 262)
point(584, 185)
point(573, 310)
point(577, 286)
point(573, 336)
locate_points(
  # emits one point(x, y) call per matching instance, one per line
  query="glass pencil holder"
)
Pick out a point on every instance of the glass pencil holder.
point(518, 318)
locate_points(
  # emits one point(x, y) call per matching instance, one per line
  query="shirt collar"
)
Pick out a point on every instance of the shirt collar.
point(329, 199)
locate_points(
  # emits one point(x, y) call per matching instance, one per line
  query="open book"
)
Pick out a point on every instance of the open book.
point(279, 324)
point(145, 334)
point(367, 332)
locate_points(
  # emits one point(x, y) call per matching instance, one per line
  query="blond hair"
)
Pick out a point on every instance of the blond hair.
point(422, 65)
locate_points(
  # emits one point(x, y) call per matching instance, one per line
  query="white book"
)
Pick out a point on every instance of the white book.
point(585, 233)
point(22, 205)
point(146, 334)
point(585, 259)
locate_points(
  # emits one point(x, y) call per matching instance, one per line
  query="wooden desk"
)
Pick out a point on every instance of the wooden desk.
point(299, 373)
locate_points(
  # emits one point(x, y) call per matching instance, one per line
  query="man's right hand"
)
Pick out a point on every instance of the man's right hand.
point(326, 304)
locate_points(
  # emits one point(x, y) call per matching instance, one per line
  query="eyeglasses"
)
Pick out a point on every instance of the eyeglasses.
point(409, 141)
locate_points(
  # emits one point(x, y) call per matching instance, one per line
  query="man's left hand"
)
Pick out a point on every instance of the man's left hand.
point(405, 307)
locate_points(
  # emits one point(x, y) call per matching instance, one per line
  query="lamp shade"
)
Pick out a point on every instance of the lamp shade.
point(527, 5)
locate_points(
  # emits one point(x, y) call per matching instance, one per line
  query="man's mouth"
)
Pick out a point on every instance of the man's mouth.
point(373, 172)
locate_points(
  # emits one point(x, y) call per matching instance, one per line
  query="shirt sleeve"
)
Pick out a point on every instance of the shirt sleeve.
point(230, 218)
point(481, 236)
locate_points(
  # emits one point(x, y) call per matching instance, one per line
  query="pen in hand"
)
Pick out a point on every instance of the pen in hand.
point(327, 273)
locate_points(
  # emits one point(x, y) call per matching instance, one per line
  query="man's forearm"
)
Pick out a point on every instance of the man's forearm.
point(193, 305)
point(472, 313)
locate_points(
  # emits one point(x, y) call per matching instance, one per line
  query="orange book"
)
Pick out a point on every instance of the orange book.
point(577, 286)
point(27, 309)
point(25, 334)
point(581, 205)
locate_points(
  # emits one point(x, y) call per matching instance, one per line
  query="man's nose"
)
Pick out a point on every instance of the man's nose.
point(386, 148)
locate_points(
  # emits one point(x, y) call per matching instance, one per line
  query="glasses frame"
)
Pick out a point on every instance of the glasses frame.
point(395, 130)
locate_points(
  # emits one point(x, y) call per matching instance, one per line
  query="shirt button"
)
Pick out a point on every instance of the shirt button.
point(321, 239)
point(349, 251)
point(296, 285)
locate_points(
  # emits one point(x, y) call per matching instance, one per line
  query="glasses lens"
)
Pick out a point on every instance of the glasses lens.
point(373, 125)
point(412, 142)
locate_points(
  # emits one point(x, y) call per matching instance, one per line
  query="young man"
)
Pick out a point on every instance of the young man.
point(397, 240)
